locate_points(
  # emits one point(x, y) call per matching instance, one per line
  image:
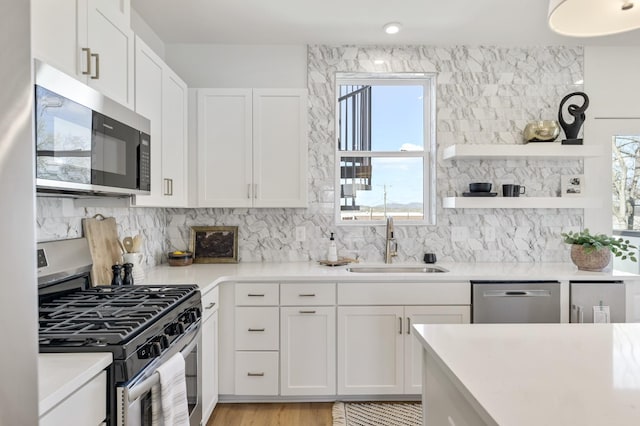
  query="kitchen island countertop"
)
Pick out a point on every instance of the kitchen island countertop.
point(539, 374)
point(206, 275)
point(61, 374)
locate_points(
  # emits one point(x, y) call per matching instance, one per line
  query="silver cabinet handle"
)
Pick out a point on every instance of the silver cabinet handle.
point(307, 312)
point(408, 325)
point(260, 330)
point(255, 295)
point(97, 74)
point(166, 187)
point(211, 305)
point(400, 331)
point(255, 374)
point(517, 293)
point(307, 295)
point(255, 190)
point(249, 190)
point(171, 187)
point(88, 61)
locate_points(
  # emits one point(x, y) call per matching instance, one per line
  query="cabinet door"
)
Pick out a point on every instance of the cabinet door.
point(224, 148)
point(280, 147)
point(307, 351)
point(174, 139)
point(370, 345)
point(55, 34)
point(112, 41)
point(148, 102)
point(413, 348)
point(209, 366)
point(632, 290)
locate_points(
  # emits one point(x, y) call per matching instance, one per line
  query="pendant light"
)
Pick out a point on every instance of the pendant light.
point(590, 18)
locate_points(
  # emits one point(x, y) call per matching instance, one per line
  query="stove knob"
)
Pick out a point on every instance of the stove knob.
point(163, 341)
point(192, 317)
point(198, 312)
point(150, 350)
point(174, 329)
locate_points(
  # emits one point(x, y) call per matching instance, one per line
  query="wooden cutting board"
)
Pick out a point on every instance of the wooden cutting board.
point(102, 235)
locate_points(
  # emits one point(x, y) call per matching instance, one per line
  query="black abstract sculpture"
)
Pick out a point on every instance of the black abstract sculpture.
point(572, 129)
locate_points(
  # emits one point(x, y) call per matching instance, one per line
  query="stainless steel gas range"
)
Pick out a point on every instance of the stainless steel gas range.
point(142, 326)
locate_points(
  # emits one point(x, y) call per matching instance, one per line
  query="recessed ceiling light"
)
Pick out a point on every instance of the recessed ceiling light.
point(392, 28)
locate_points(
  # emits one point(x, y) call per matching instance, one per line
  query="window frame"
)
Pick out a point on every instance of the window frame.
point(428, 155)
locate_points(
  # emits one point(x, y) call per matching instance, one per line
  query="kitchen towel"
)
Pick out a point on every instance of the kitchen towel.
point(169, 399)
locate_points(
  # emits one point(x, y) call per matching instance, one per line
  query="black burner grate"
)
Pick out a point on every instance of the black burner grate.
point(106, 315)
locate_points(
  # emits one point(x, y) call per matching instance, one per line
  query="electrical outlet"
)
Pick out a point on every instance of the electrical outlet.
point(300, 233)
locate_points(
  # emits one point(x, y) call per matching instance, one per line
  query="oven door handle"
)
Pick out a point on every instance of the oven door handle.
point(144, 386)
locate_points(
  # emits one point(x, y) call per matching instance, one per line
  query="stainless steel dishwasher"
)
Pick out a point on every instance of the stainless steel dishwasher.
point(496, 302)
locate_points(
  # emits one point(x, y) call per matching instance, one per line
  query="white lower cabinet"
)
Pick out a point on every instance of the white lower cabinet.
point(307, 350)
point(209, 368)
point(377, 355)
point(86, 406)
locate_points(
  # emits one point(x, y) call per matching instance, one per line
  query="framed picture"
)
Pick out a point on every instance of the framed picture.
point(572, 185)
point(214, 244)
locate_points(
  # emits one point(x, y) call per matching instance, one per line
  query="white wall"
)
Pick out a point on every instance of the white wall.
point(18, 304)
point(612, 83)
point(233, 66)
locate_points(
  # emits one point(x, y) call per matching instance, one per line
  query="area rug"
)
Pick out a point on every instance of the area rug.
point(377, 414)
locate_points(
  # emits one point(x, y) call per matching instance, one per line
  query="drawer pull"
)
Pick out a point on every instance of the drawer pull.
point(256, 329)
point(255, 295)
point(307, 312)
point(211, 305)
point(400, 322)
point(255, 374)
point(307, 295)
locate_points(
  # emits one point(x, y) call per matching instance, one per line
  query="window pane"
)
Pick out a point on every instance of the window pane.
point(626, 195)
point(381, 118)
point(372, 188)
point(397, 118)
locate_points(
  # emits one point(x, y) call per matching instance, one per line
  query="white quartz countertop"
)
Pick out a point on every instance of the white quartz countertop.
point(543, 374)
point(210, 274)
point(61, 374)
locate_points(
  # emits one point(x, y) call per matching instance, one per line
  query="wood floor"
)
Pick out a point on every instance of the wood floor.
point(298, 414)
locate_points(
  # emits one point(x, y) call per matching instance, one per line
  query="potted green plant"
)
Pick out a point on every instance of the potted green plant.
point(592, 252)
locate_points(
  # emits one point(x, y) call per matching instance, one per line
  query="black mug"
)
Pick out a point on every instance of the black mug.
point(511, 190)
point(429, 258)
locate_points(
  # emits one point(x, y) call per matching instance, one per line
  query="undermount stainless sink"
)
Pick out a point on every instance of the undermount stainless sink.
point(396, 269)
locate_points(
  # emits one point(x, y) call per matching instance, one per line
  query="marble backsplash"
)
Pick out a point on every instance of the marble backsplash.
point(485, 95)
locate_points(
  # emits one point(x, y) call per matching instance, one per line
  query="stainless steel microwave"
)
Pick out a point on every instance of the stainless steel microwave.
point(86, 143)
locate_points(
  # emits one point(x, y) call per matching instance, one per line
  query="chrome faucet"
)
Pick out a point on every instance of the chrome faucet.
point(391, 247)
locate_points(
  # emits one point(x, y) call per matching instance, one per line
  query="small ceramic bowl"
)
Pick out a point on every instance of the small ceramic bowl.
point(480, 187)
point(180, 259)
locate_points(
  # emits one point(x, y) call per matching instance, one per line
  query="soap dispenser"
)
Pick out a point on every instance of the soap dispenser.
point(332, 253)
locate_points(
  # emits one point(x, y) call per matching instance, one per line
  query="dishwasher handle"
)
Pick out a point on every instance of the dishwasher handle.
point(517, 293)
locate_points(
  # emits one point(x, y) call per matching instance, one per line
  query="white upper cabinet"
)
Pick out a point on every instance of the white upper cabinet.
point(252, 148)
point(90, 40)
point(161, 96)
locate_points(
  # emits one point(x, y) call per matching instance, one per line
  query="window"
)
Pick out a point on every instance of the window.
point(385, 163)
point(626, 177)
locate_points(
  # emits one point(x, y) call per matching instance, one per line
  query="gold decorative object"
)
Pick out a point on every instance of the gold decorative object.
point(541, 131)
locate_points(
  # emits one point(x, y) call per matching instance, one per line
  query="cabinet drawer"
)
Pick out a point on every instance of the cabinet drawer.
point(86, 406)
point(398, 293)
point(257, 329)
point(307, 294)
point(256, 373)
point(210, 303)
point(249, 294)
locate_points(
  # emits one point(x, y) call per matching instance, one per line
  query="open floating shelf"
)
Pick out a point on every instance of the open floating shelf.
point(533, 150)
point(520, 203)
